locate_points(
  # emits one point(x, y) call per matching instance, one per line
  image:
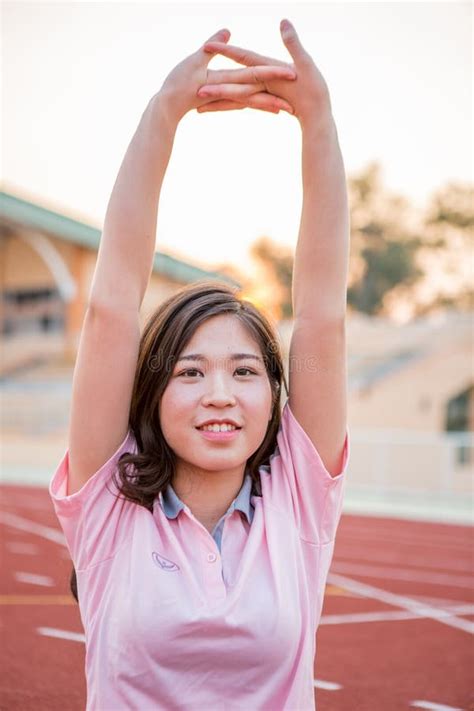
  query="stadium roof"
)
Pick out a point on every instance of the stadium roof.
point(14, 209)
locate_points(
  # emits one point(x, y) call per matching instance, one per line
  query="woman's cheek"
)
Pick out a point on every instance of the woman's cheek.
point(177, 399)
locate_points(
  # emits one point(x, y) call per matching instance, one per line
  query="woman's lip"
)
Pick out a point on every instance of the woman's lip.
point(218, 436)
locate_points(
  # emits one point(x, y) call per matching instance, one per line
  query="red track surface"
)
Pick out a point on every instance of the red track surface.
point(386, 664)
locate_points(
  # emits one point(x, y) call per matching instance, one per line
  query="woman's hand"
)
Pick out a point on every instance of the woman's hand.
point(180, 88)
point(308, 94)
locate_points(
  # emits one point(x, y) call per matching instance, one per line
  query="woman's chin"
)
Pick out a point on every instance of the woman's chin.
point(217, 463)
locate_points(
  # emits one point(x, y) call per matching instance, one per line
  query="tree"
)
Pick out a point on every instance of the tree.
point(384, 242)
point(404, 262)
point(445, 255)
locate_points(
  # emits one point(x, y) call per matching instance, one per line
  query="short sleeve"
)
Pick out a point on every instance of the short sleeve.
point(301, 483)
point(93, 519)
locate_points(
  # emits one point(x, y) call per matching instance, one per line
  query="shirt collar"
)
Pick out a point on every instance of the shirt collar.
point(172, 504)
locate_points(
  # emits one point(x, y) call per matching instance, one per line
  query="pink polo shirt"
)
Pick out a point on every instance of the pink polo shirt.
point(172, 620)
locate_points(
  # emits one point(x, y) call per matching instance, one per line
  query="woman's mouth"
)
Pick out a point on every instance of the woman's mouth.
point(219, 435)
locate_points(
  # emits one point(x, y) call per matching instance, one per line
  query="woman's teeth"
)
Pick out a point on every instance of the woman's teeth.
point(218, 428)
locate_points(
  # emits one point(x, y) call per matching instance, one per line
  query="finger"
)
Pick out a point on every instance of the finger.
point(245, 92)
point(253, 98)
point(219, 36)
point(220, 106)
point(222, 36)
point(234, 92)
point(258, 74)
point(231, 105)
point(291, 40)
point(238, 54)
point(268, 102)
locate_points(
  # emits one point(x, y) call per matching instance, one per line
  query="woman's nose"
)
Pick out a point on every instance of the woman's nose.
point(219, 392)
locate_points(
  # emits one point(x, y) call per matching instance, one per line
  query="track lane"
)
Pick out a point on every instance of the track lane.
point(385, 663)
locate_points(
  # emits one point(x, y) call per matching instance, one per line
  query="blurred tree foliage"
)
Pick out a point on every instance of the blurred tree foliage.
point(448, 226)
point(384, 242)
point(402, 261)
point(277, 262)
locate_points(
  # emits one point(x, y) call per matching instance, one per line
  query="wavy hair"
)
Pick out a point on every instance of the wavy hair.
point(143, 475)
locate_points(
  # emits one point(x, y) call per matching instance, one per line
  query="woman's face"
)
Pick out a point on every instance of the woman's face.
point(219, 376)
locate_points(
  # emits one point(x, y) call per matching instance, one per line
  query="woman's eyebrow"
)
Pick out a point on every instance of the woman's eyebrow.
point(232, 356)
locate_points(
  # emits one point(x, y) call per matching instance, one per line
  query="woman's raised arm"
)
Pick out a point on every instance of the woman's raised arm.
point(318, 370)
point(108, 350)
point(127, 243)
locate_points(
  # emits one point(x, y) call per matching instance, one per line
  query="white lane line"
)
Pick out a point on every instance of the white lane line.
point(52, 534)
point(434, 707)
point(389, 616)
point(34, 579)
point(402, 601)
point(61, 634)
point(374, 571)
point(328, 685)
point(26, 548)
point(443, 602)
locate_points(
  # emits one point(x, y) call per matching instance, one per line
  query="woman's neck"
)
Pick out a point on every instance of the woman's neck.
point(208, 494)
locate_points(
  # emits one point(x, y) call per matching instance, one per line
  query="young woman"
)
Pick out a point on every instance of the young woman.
point(200, 517)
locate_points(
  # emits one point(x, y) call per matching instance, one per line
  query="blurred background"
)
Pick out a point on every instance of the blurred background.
point(76, 79)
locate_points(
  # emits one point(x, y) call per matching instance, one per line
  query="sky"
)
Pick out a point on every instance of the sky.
point(77, 77)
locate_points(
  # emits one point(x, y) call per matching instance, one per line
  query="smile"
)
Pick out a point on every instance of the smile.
point(223, 436)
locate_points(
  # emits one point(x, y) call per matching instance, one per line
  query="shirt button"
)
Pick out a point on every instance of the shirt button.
point(211, 557)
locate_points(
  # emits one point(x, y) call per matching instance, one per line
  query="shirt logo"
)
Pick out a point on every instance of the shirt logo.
point(164, 563)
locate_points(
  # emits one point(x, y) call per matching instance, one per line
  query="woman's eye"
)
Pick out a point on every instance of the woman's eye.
point(191, 372)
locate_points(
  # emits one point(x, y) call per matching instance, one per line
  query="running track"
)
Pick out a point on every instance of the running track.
point(396, 632)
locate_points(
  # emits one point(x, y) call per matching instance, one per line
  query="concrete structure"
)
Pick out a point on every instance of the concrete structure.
point(411, 415)
point(48, 261)
point(417, 376)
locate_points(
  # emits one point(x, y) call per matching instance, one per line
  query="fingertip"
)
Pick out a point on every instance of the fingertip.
point(224, 35)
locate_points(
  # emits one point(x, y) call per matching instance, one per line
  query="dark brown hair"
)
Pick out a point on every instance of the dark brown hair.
point(167, 332)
